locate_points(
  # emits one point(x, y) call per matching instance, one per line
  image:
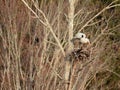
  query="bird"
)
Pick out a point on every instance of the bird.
point(82, 37)
point(80, 40)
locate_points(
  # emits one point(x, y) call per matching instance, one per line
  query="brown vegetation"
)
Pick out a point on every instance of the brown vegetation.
point(35, 37)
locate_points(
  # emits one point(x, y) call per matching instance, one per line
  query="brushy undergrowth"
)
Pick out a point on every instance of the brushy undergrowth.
point(31, 58)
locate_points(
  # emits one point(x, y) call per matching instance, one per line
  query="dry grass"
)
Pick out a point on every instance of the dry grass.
point(34, 38)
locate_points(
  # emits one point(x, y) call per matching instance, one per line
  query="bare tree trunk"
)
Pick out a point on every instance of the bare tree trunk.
point(70, 28)
point(70, 23)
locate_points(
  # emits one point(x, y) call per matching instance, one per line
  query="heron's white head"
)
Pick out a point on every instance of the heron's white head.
point(82, 38)
point(80, 35)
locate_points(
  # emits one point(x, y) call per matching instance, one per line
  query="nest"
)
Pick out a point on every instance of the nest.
point(78, 55)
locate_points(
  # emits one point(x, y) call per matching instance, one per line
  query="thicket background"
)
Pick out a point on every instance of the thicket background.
point(34, 37)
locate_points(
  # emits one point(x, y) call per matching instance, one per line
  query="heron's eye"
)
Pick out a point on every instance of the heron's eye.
point(82, 36)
